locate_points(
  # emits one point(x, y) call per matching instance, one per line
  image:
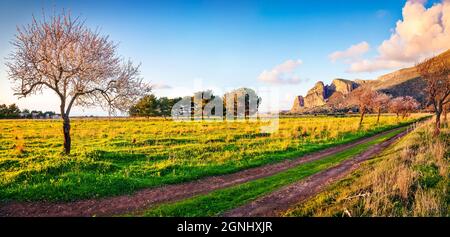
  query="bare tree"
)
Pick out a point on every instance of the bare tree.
point(61, 54)
point(364, 98)
point(436, 73)
point(380, 103)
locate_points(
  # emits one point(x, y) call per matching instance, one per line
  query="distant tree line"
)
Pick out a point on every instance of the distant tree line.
point(9, 111)
point(243, 102)
point(151, 106)
point(13, 112)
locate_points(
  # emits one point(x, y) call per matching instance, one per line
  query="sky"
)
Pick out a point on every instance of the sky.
point(282, 46)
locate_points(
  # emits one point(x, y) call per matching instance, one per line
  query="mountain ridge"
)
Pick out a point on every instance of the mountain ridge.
point(322, 97)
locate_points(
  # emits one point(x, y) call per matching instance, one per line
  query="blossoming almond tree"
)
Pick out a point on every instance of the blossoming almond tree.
point(81, 66)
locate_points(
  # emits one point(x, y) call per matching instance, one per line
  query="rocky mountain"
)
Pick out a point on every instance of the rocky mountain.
point(404, 82)
point(322, 95)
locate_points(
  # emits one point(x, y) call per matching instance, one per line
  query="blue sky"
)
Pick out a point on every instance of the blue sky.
point(224, 44)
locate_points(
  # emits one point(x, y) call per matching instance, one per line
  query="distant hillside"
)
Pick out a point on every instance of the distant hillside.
point(404, 82)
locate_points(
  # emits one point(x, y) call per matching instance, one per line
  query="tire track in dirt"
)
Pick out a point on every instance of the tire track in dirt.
point(146, 198)
point(281, 200)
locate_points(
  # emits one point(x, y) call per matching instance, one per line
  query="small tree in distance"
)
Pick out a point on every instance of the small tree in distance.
point(403, 105)
point(150, 106)
point(81, 66)
point(380, 103)
point(165, 106)
point(241, 103)
point(409, 105)
point(395, 106)
point(199, 103)
point(364, 98)
point(147, 106)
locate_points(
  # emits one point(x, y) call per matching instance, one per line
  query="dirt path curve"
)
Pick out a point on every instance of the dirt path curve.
point(281, 200)
point(147, 197)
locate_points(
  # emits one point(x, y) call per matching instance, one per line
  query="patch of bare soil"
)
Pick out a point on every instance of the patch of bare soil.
point(281, 200)
point(147, 197)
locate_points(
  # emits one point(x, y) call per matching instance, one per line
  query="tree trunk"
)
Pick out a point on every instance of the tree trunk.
point(362, 117)
point(67, 139)
point(437, 129)
point(378, 118)
point(438, 110)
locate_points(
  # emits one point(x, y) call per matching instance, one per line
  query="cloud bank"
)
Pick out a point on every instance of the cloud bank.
point(282, 74)
point(423, 32)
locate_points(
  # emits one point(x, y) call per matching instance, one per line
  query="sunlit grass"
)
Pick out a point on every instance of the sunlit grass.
point(217, 202)
point(117, 156)
point(410, 178)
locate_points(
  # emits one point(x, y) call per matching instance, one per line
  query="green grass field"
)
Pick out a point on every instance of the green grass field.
point(112, 157)
point(217, 202)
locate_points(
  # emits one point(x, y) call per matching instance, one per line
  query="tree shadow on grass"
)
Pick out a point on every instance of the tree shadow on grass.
point(155, 141)
point(124, 157)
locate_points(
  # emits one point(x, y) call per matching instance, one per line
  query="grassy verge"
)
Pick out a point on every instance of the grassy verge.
point(411, 178)
point(217, 202)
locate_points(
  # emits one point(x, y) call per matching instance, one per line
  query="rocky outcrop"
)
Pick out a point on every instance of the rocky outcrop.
point(341, 85)
point(316, 96)
point(299, 103)
point(322, 95)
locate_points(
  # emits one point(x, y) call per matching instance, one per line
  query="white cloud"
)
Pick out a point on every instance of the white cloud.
point(423, 32)
point(353, 53)
point(282, 74)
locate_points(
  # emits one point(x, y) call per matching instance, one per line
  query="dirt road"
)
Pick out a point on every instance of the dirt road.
point(280, 200)
point(148, 197)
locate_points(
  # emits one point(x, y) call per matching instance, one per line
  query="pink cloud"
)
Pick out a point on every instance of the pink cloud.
point(423, 32)
point(352, 53)
point(282, 74)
